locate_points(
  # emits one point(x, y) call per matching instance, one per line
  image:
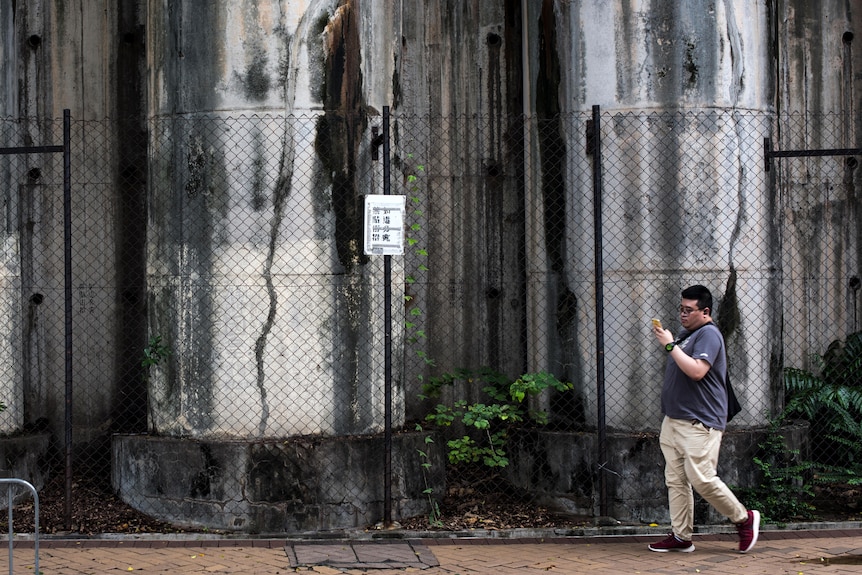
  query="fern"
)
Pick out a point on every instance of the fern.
point(830, 399)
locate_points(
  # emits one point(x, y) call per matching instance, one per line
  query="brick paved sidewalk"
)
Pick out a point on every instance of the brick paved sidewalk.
point(793, 553)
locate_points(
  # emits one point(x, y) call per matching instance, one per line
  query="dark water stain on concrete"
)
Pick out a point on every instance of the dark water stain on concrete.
point(340, 132)
point(839, 560)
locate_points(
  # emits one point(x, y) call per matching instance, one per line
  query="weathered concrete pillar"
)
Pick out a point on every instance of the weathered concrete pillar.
point(59, 55)
point(818, 72)
point(259, 158)
point(256, 277)
point(457, 84)
point(11, 389)
point(11, 351)
point(687, 92)
point(8, 53)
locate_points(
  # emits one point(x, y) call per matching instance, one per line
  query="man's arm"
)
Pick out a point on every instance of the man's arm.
point(695, 369)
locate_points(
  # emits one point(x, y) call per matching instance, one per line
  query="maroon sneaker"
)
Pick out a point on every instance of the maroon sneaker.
point(672, 543)
point(748, 531)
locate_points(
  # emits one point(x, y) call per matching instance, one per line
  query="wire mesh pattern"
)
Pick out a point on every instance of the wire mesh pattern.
point(221, 291)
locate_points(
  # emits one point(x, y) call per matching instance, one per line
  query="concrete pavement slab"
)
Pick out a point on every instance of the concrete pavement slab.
point(811, 552)
point(363, 554)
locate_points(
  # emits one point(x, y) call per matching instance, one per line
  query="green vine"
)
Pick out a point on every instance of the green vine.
point(415, 333)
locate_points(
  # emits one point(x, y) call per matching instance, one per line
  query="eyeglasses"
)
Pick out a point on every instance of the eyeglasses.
point(683, 310)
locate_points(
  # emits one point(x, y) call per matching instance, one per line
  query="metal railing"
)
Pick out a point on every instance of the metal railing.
point(10, 496)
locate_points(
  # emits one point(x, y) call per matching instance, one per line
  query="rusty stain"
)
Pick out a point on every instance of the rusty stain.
point(339, 131)
point(344, 79)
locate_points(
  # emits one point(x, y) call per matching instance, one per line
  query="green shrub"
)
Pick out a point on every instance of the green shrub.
point(784, 492)
point(488, 423)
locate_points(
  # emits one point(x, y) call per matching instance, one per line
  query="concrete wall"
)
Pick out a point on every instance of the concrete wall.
point(428, 60)
point(22, 457)
point(458, 96)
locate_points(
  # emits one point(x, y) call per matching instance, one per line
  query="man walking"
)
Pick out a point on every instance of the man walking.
point(694, 404)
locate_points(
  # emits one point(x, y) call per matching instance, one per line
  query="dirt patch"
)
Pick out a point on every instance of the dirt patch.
point(94, 510)
point(838, 502)
point(473, 503)
point(482, 501)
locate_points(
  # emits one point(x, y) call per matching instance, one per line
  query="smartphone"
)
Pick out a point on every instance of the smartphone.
point(656, 323)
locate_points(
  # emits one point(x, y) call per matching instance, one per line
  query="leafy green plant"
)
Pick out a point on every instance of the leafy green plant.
point(784, 492)
point(490, 421)
point(154, 353)
point(434, 514)
point(830, 398)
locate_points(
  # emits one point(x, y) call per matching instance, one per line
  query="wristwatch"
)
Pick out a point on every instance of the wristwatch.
point(669, 347)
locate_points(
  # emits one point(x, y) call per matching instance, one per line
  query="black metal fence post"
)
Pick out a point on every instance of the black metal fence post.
point(67, 242)
point(387, 339)
point(600, 320)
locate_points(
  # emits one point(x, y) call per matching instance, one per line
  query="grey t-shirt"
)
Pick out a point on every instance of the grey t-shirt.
point(705, 400)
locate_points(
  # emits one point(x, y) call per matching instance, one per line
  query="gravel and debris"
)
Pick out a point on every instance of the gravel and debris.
point(473, 503)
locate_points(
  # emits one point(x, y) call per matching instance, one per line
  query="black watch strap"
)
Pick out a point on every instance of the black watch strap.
point(669, 347)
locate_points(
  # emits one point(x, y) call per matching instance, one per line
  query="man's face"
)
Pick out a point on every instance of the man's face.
point(690, 315)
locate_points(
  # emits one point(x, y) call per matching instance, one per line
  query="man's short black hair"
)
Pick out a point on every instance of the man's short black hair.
point(699, 293)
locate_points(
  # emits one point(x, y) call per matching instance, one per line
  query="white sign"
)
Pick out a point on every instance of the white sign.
point(384, 225)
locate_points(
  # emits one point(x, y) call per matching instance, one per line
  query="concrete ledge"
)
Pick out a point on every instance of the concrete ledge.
point(272, 486)
point(24, 457)
point(561, 470)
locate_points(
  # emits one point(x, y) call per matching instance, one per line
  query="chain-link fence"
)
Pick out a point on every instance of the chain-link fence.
point(221, 294)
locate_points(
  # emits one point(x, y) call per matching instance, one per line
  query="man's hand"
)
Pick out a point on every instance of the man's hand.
point(664, 336)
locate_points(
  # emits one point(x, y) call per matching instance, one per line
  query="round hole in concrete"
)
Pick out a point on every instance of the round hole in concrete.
point(847, 37)
point(34, 41)
point(37, 299)
point(493, 40)
point(493, 169)
point(34, 174)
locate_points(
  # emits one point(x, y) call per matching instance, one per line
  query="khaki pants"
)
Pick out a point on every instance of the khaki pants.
point(691, 456)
